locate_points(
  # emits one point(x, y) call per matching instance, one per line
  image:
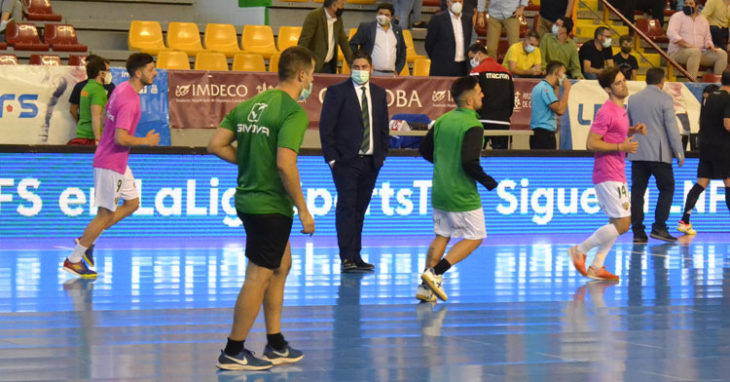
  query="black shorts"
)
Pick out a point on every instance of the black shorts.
point(266, 238)
point(713, 167)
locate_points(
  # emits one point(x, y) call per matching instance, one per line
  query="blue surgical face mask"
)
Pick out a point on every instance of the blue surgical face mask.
point(360, 77)
point(530, 48)
point(304, 94)
point(555, 29)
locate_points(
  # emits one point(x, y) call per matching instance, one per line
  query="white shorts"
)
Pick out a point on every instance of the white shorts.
point(110, 185)
point(614, 198)
point(468, 224)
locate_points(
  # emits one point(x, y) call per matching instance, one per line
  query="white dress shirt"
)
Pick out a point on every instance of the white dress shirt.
point(384, 49)
point(331, 36)
point(358, 91)
point(458, 37)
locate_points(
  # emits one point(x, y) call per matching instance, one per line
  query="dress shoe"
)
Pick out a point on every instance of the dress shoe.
point(663, 235)
point(363, 266)
point(640, 238)
point(348, 266)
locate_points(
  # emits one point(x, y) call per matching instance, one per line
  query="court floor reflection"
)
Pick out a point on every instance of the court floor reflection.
point(161, 309)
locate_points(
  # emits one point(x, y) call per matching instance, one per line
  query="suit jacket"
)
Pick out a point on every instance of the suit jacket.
point(364, 39)
point(662, 142)
point(341, 127)
point(315, 38)
point(440, 42)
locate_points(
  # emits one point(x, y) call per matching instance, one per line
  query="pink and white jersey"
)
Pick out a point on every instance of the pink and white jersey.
point(122, 112)
point(612, 122)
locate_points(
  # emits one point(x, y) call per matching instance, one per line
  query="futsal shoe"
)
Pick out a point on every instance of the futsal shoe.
point(601, 274)
point(579, 260)
point(686, 228)
point(425, 294)
point(288, 355)
point(641, 238)
point(245, 360)
point(79, 269)
point(663, 235)
point(88, 254)
point(434, 281)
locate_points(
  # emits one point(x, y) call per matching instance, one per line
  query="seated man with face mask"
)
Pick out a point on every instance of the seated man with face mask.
point(596, 55)
point(92, 100)
point(383, 41)
point(523, 58)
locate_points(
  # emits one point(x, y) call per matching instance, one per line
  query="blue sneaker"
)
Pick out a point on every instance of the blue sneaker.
point(245, 360)
point(289, 355)
point(89, 254)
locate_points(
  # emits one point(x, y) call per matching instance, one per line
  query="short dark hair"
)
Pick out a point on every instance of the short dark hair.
point(293, 60)
point(725, 80)
point(625, 38)
point(607, 76)
point(553, 67)
point(94, 66)
point(599, 32)
point(567, 23)
point(534, 34)
point(654, 76)
point(387, 6)
point(478, 48)
point(138, 61)
point(328, 3)
point(710, 88)
point(461, 86)
point(360, 53)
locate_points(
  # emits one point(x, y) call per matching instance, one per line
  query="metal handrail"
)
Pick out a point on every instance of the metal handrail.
point(646, 38)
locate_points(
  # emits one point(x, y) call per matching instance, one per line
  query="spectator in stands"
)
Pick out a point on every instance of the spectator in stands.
point(546, 107)
point(323, 32)
point(675, 89)
point(92, 102)
point(596, 55)
point(624, 57)
point(403, 10)
point(690, 42)
point(557, 46)
point(7, 9)
point(717, 13)
point(551, 11)
point(383, 41)
point(507, 14)
point(447, 37)
point(523, 58)
point(497, 103)
point(75, 98)
point(629, 7)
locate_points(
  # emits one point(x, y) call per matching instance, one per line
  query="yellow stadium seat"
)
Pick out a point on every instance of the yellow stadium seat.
point(249, 62)
point(184, 37)
point(411, 54)
point(173, 59)
point(274, 63)
point(145, 36)
point(405, 71)
point(421, 67)
point(345, 68)
point(361, 2)
point(211, 61)
point(288, 37)
point(258, 39)
point(221, 38)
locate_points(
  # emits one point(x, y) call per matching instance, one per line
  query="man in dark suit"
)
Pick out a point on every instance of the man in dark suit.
point(383, 41)
point(353, 128)
point(323, 32)
point(447, 40)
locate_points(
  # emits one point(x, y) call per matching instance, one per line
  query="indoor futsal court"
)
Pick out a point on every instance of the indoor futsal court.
point(517, 311)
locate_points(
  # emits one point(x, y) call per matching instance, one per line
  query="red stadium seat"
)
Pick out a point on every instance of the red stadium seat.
point(40, 10)
point(45, 59)
point(714, 78)
point(3, 45)
point(62, 37)
point(502, 49)
point(76, 60)
point(432, 3)
point(24, 37)
point(653, 29)
point(8, 59)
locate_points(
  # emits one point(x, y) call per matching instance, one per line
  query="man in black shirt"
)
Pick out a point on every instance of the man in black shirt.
point(714, 149)
point(595, 55)
point(625, 57)
point(75, 98)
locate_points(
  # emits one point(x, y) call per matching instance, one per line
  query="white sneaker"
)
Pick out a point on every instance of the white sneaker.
point(425, 293)
point(434, 282)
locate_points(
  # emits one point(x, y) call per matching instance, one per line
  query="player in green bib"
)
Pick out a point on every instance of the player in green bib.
point(454, 147)
point(268, 129)
point(91, 103)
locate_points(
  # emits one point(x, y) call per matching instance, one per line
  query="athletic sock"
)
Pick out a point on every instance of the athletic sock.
point(602, 235)
point(602, 252)
point(77, 253)
point(233, 347)
point(276, 341)
point(692, 197)
point(441, 267)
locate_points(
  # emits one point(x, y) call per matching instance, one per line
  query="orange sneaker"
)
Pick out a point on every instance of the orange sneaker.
point(579, 260)
point(601, 274)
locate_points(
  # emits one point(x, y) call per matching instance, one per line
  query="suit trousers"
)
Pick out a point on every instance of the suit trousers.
point(641, 171)
point(355, 181)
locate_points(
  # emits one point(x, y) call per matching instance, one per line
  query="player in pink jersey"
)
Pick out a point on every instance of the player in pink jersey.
point(610, 139)
point(112, 177)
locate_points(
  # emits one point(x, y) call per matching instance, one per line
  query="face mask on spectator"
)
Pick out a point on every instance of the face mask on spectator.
point(108, 78)
point(555, 29)
point(456, 8)
point(360, 77)
point(383, 20)
point(626, 49)
point(607, 43)
point(529, 48)
point(474, 62)
point(304, 94)
point(338, 12)
point(687, 10)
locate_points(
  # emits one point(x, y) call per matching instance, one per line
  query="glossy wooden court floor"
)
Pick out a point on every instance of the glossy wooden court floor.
point(517, 311)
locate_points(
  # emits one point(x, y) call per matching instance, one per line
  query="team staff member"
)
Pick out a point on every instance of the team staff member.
point(353, 129)
point(498, 103)
point(75, 98)
point(92, 101)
